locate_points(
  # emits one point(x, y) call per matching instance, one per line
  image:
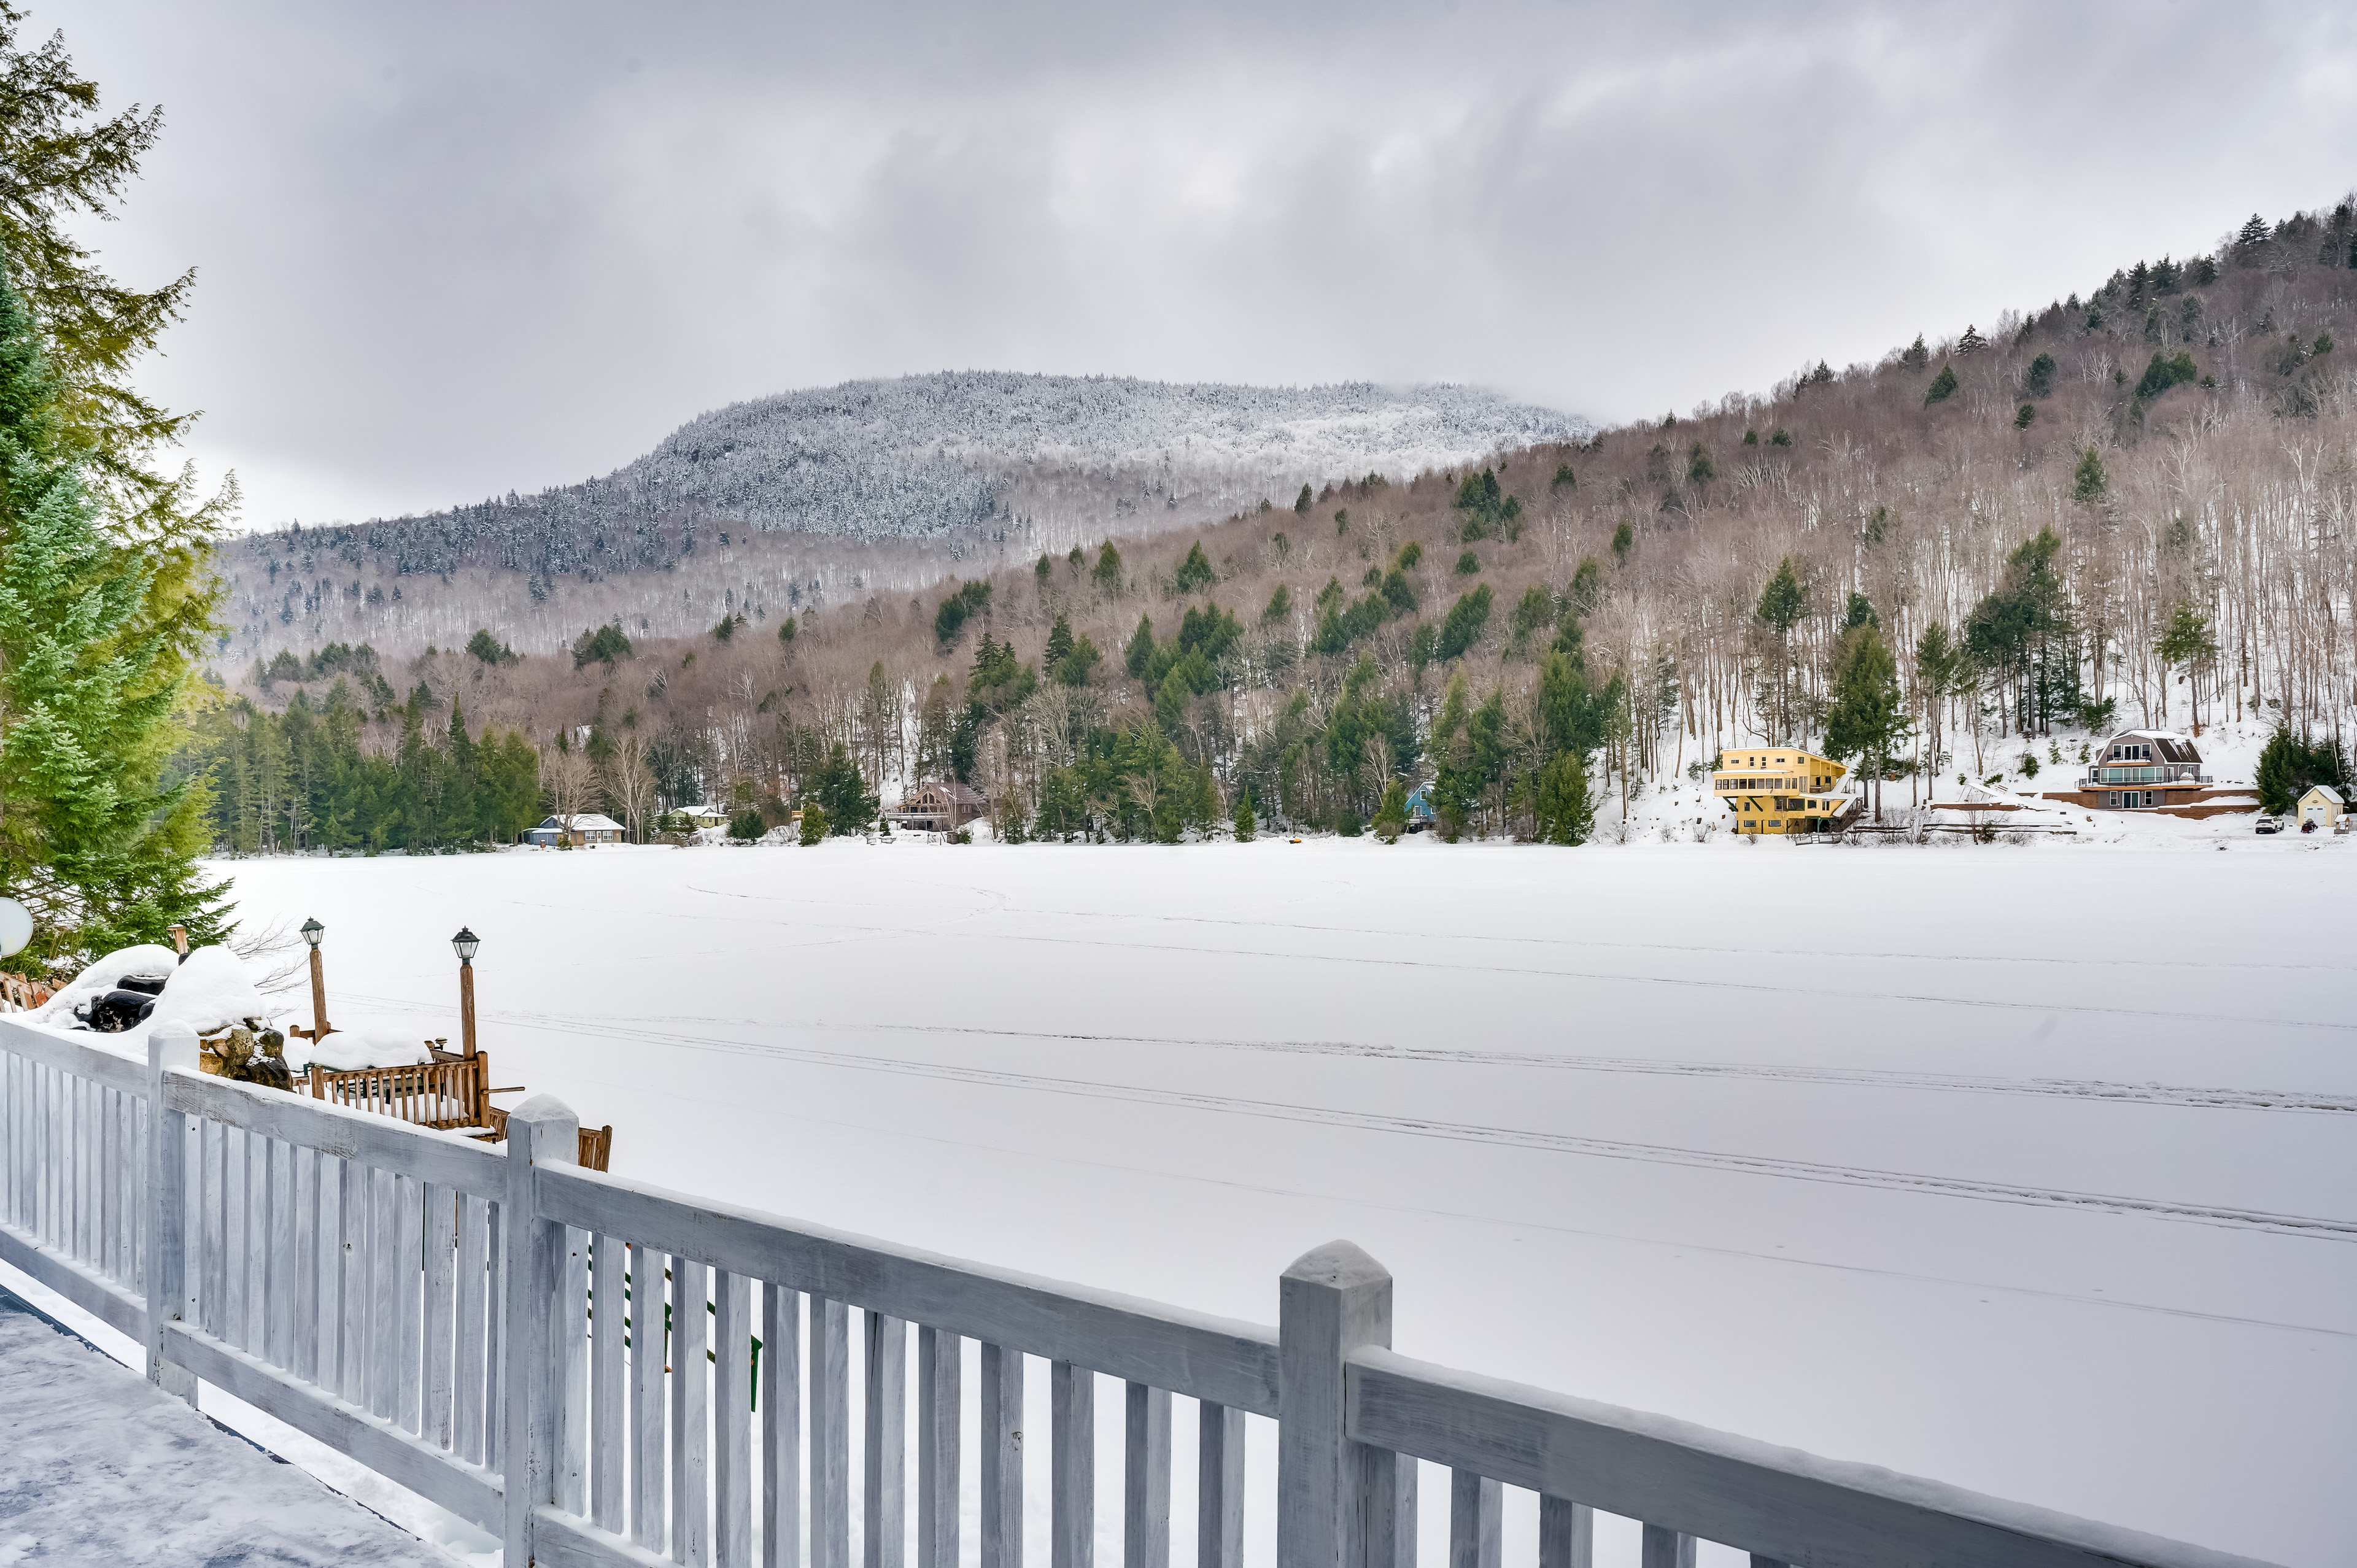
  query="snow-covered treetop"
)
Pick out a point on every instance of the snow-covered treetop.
point(918, 455)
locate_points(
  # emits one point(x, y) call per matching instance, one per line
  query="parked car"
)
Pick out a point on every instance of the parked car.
point(2270, 824)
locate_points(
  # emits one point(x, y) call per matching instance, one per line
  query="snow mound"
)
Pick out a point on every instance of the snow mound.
point(365, 1045)
point(208, 992)
point(147, 960)
point(211, 990)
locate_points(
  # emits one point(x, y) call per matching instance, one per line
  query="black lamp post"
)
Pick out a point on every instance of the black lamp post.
point(464, 944)
point(312, 932)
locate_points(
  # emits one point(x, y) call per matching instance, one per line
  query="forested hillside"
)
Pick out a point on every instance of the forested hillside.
point(764, 508)
point(2137, 504)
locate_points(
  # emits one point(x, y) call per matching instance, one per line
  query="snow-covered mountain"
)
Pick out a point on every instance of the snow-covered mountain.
point(933, 469)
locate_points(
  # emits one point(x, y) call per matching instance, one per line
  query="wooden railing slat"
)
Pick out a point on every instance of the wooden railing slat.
point(648, 1465)
point(1001, 1516)
point(1219, 1486)
point(1072, 1492)
point(884, 1431)
point(781, 1427)
point(691, 1440)
point(1566, 1534)
point(1475, 1506)
point(409, 1285)
point(438, 1421)
point(732, 1420)
point(470, 1372)
point(1146, 1478)
point(941, 1375)
point(572, 1348)
point(351, 1281)
point(1663, 1548)
point(607, 1433)
point(830, 1486)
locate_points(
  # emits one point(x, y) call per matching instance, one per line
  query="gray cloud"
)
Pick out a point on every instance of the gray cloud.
point(448, 249)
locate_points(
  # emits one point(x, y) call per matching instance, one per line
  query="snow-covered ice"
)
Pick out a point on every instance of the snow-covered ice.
point(97, 1466)
point(2025, 1168)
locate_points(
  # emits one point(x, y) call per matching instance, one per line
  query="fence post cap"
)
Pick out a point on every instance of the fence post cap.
point(546, 1130)
point(1338, 1266)
point(172, 1043)
point(544, 1108)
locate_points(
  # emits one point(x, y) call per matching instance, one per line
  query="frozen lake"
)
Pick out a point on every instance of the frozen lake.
point(2031, 1170)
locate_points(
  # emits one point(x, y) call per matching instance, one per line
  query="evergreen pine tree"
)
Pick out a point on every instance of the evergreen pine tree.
point(1195, 572)
point(1783, 603)
point(93, 840)
point(1139, 649)
point(2279, 777)
point(1107, 575)
point(1390, 814)
point(1942, 387)
point(1301, 502)
point(1917, 356)
point(2089, 484)
point(1565, 811)
point(1245, 825)
point(1868, 717)
point(2187, 643)
point(1059, 641)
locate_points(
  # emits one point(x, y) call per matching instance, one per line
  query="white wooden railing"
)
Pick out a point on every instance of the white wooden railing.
point(448, 1314)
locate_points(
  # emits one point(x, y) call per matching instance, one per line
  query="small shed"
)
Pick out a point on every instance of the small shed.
point(2323, 806)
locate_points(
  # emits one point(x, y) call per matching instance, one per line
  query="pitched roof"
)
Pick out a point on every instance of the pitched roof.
point(957, 794)
point(2168, 745)
point(585, 822)
point(2327, 791)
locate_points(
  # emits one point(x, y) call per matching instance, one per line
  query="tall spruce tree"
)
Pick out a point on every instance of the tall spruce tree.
point(1783, 603)
point(1868, 717)
point(1564, 810)
point(92, 838)
point(66, 161)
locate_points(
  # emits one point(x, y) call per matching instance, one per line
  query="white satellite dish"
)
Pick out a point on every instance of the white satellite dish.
point(16, 926)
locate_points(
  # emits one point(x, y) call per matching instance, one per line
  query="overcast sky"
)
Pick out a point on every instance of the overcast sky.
point(450, 250)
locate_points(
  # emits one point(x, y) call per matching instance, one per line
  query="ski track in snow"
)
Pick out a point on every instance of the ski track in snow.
point(1683, 981)
point(2221, 1098)
point(1456, 1132)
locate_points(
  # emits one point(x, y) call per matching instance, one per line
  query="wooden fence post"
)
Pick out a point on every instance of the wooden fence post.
point(169, 1297)
point(1339, 1503)
point(539, 1132)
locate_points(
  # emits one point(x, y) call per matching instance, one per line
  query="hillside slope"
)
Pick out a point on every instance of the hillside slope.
point(2136, 506)
point(757, 506)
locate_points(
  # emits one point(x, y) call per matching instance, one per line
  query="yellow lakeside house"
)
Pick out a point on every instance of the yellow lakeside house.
point(1779, 790)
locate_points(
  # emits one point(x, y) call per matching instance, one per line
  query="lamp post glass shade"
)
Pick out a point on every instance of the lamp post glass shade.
point(313, 931)
point(464, 944)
